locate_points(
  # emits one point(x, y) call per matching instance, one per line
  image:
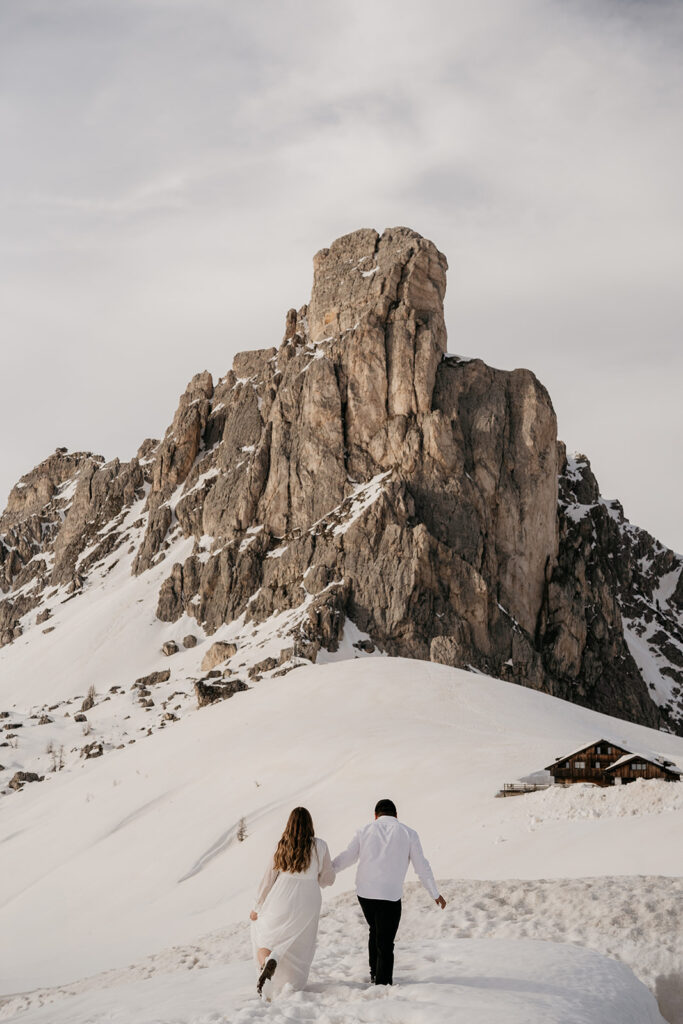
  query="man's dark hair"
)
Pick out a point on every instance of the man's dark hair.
point(385, 807)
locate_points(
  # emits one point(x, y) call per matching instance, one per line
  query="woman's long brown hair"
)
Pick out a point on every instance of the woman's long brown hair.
point(294, 850)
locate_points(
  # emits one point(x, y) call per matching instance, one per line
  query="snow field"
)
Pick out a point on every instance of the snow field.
point(494, 954)
point(137, 850)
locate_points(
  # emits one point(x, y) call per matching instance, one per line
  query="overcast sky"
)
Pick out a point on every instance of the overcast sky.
point(169, 167)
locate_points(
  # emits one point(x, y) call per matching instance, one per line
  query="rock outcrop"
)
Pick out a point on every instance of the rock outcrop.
point(19, 779)
point(61, 520)
point(359, 472)
point(614, 629)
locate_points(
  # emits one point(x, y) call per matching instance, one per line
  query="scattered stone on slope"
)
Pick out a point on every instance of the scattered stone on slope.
point(169, 648)
point(20, 778)
point(218, 652)
point(263, 666)
point(153, 678)
point(90, 750)
point(209, 693)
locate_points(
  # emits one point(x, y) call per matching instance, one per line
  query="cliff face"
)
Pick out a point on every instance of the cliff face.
point(615, 606)
point(358, 472)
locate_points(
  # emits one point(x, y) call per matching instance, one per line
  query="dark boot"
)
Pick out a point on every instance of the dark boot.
point(266, 974)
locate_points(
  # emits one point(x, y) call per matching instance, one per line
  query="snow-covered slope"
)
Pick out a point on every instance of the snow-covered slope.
point(117, 857)
point(106, 635)
point(444, 980)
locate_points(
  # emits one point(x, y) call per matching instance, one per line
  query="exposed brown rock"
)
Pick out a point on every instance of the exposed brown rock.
point(602, 589)
point(20, 778)
point(172, 461)
point(217, 652)
point(263, 666)
point(153, 678)
point(90, 750)
point(209, 693)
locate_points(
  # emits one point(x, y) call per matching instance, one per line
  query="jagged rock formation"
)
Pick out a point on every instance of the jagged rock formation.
point(359, 472)
point(617, 599)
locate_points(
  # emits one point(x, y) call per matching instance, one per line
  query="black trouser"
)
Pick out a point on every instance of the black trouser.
point(383, 917)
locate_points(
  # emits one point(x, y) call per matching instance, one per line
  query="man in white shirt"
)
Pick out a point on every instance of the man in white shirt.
point(384, 849)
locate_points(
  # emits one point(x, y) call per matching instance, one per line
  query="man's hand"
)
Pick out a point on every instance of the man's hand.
point(254, 916)
point(440, 902)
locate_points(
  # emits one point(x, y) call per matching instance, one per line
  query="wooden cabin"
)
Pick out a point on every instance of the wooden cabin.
point(605, 763)
point(587, 764)
point(636, 766)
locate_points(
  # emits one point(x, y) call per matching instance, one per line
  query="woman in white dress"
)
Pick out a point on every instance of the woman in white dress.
point(285, 917)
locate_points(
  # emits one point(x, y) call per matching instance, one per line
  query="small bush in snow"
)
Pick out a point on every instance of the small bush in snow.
point(90, 697)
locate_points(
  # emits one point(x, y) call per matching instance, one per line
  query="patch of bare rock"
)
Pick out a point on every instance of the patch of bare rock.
point(209, 691)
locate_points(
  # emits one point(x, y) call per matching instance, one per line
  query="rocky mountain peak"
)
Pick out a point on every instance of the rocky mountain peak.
point(365, 274)
point(35, 490)
point(356, 480)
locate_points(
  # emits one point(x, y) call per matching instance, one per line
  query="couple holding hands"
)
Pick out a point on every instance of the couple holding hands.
point(285, 917)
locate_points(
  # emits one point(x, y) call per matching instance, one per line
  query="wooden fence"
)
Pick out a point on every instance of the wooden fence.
point(517, 788)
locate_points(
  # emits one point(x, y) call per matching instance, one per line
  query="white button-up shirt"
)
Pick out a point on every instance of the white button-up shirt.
point(384, 849)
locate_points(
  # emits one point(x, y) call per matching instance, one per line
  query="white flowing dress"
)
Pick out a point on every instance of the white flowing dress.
point(288, 908)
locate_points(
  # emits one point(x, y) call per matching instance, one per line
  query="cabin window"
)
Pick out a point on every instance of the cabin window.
point(579, 765)
point(639, 766)
point(596, 764)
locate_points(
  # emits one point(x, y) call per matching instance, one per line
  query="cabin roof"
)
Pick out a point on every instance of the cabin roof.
point(658, 761)
point(586, 746)
point(653, 758)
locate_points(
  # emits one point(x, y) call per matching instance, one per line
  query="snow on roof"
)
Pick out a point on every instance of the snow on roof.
point(650, 755)
point(660, 762)
point(611, 742)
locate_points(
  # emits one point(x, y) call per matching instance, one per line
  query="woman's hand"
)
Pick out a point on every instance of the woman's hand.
point(253, 916)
